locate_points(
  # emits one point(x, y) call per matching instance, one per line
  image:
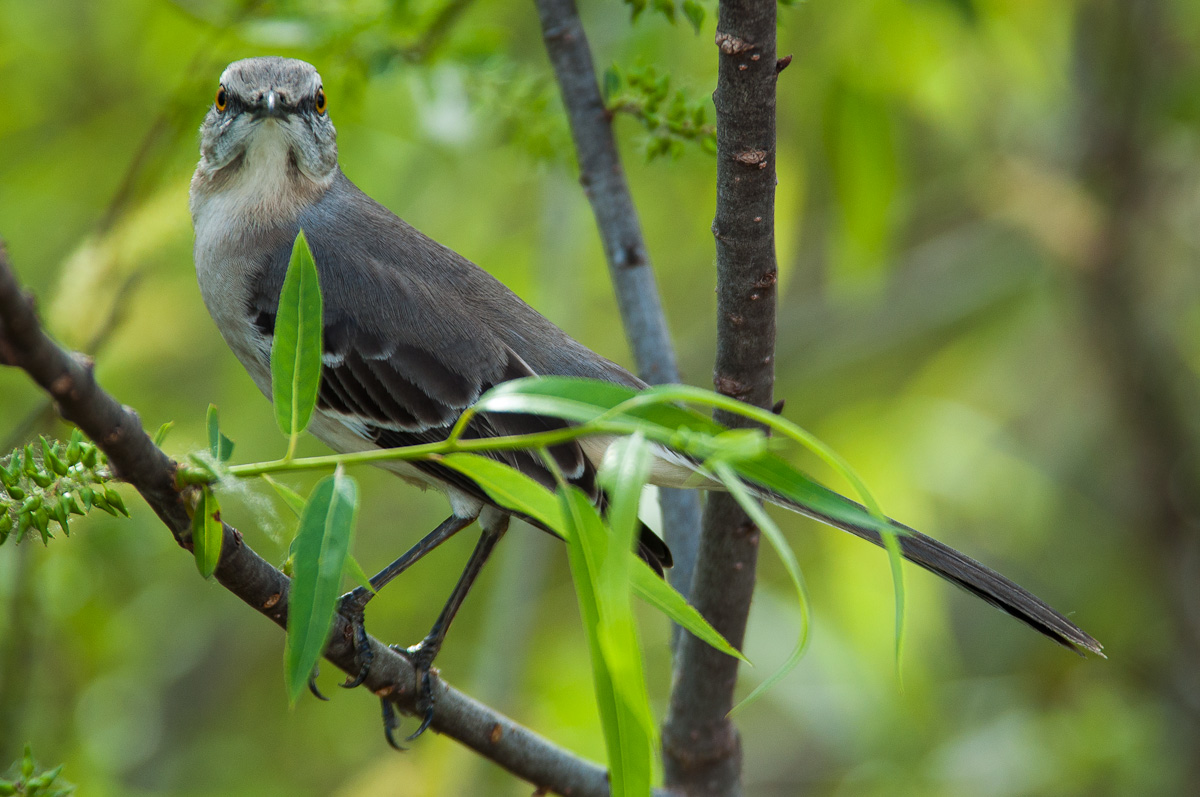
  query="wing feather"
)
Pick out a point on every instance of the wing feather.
point(414, 334)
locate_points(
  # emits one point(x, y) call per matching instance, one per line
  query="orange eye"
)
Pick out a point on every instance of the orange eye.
point(320, 101)
point(222, 98)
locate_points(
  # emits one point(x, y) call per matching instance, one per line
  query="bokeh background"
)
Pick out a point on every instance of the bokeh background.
point(990, 304)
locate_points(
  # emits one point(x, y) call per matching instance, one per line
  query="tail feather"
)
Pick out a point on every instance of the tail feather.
point(965, 572)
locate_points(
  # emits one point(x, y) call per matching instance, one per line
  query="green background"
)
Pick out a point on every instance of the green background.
point(989, 303)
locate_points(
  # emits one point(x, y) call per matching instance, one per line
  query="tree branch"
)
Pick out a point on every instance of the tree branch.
point(68, 378)
point(701, 746)
point(604, 183)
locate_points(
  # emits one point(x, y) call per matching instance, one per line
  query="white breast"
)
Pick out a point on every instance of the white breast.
point(226, 215)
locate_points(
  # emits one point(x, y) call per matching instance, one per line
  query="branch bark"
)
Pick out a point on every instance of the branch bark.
point(701, 746)
point(607, 190)
point(67, 377)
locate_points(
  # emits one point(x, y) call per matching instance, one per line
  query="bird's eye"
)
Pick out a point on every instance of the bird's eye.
point(320, 100)
point(222, 98)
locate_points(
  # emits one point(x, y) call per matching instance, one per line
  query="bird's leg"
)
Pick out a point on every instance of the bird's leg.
point(354, 603)
point(423, 653)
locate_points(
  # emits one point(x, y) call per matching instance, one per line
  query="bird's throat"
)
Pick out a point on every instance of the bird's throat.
point(264, 186)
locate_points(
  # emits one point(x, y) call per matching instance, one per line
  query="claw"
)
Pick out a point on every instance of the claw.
point(351, 608)
point(419, 657)
point(425, 698)
point(390, 723)
point(312, 684)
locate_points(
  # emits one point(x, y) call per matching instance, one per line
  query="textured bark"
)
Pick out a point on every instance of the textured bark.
point(701, 746)
point(69, 380)
point(604, 183)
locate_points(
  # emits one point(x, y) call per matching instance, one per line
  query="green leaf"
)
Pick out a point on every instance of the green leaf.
point(160, 436)
point(293, 499)
point(296, 349)
point(208, 535)
point(220, 446)
point(354, 571)
point(321, 548)
point(694, 12)
point(771, 531)
point(510, 488)
point(658, 413)
point(514, 490)
point(612, 641)
point(628, 468)
point(652, 589)
point(611, 84)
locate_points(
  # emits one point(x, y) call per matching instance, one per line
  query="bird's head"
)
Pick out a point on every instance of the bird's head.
point(272, 110)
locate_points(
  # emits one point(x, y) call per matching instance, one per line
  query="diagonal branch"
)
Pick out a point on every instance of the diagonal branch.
point(68, 378)
point(701, 746)
point(604, 183)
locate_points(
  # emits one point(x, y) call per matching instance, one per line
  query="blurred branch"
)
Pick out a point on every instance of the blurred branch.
point(1120, 80)
point(436, 33)
point(701, 747)
point(604, 184)
point(69, 380)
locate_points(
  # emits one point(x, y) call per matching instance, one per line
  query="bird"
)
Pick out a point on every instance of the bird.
point(414, 334)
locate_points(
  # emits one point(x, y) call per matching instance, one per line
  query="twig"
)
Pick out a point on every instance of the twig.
point(68, 378)
point(701, 746)
point(437, 31)
point(604, 183)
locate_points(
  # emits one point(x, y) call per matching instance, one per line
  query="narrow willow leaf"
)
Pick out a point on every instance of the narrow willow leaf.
point(612, 639)
point(771, 531)
point(160, 436)
point(627, 469)
point(658, 413)
point(208, 533)
point(296, 348)
point(585, 593)
point(514, 490)
point(220, 446)
point(510, 488)
point(320, 551)
point(293, 499)
point(355, 572)
point(630, 468)
point(656, 592)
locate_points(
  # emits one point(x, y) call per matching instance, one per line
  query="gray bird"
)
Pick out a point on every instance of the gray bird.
point(414, 334)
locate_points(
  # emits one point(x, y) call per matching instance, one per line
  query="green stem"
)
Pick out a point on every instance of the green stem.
point(664, 394)
point(432, 450)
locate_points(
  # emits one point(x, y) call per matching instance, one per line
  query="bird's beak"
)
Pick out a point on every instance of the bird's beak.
point(270, 107)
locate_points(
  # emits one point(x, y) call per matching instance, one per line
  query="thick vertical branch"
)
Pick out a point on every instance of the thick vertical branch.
point(701, 747)
point(604, 184)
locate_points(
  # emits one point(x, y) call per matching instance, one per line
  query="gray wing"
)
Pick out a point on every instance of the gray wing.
point(414, 334)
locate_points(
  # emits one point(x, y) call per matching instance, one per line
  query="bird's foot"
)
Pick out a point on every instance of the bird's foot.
point(353, 607)
point(422, 655)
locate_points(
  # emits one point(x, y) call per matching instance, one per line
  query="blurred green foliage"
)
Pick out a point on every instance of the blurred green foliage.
point(989, 305)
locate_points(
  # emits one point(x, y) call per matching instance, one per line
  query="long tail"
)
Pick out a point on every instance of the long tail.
point(963, 571)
